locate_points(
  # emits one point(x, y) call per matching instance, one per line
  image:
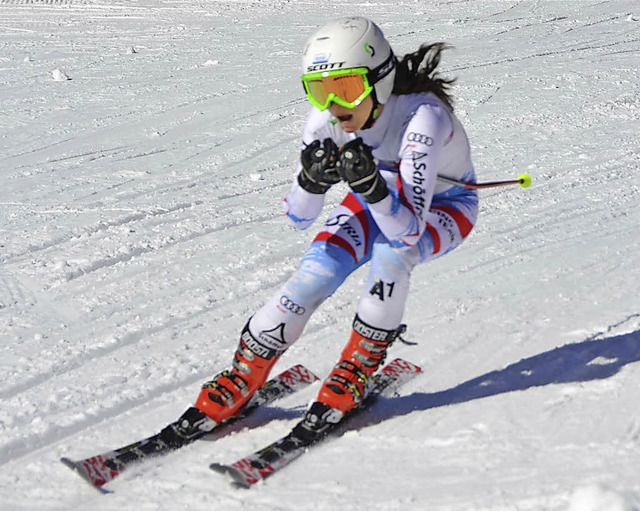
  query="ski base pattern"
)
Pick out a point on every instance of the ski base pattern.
point(258, 466)
point(192, 425)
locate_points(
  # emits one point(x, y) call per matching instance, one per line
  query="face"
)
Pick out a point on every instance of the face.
point(352, 119)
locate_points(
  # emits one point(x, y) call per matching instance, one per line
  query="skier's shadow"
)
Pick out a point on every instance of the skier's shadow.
point(584, 361)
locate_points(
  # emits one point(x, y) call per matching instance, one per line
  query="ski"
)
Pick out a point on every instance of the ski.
point(193, 424)
point(256, 467)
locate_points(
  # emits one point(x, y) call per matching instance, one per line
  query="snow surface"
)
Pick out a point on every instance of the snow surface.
point(145, 146)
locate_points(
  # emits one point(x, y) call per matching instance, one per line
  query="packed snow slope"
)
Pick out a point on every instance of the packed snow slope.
point(145, 147)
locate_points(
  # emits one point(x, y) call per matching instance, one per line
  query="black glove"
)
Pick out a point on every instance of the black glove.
point(319, 166)
point(357, 167)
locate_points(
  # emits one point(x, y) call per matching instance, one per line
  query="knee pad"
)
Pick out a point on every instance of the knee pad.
point(385, 293)
point(280, 322)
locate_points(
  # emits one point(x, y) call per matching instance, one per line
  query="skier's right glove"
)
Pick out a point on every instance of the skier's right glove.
point(319, 172)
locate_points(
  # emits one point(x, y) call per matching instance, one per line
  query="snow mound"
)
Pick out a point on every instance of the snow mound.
point(601, 498)
point(59, 75)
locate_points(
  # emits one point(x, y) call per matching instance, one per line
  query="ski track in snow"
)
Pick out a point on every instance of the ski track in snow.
point(141, 225)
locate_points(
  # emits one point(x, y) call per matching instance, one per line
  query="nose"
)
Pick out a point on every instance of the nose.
point(338, 110)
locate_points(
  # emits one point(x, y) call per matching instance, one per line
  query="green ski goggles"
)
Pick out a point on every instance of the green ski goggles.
point(345, 87)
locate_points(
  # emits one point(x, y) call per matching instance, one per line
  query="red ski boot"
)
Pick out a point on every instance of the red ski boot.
point(366, 350)
point(227, 393)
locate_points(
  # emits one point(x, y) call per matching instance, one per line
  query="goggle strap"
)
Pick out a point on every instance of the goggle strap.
point(377, 74)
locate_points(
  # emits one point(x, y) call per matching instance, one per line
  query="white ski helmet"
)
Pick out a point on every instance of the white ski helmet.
point(350, 43)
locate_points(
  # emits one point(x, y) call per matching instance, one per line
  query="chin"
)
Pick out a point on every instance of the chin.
point(349, 126)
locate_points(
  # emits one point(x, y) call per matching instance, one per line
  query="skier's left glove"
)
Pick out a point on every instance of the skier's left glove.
point(357, 167)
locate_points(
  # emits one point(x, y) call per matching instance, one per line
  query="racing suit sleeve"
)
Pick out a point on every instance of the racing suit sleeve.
point(302, 207)
point(401, 215)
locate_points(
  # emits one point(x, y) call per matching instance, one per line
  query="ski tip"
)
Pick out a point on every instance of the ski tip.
point(81, 471)
point(404, 365)
point(300, 373)
point(238, 479)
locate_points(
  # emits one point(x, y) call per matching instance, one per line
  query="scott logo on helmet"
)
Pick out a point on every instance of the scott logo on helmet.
point(327, 66)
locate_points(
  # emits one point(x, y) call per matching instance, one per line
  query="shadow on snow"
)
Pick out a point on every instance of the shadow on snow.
point(579, 362)
point(592, 359)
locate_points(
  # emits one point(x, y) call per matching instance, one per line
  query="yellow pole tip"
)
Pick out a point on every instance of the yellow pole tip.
point(525, 180)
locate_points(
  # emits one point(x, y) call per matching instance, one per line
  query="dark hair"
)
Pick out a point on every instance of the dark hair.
point(416, 72)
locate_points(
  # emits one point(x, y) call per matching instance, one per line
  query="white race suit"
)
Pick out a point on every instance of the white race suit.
point(415, 138)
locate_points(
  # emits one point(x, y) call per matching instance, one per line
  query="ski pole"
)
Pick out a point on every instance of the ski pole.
point(524, 180)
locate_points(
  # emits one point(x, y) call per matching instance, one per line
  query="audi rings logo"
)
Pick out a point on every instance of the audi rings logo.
point(420, 138)
point(291, 306)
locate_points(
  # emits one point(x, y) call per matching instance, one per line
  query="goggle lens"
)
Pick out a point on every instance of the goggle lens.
point(348, 88)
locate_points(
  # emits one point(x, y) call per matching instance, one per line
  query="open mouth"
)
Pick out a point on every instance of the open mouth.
point(345, 118)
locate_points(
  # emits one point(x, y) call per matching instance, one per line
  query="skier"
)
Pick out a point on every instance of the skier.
point(386, 128)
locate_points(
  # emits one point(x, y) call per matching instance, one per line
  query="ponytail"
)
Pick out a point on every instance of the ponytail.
point(416, 72)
